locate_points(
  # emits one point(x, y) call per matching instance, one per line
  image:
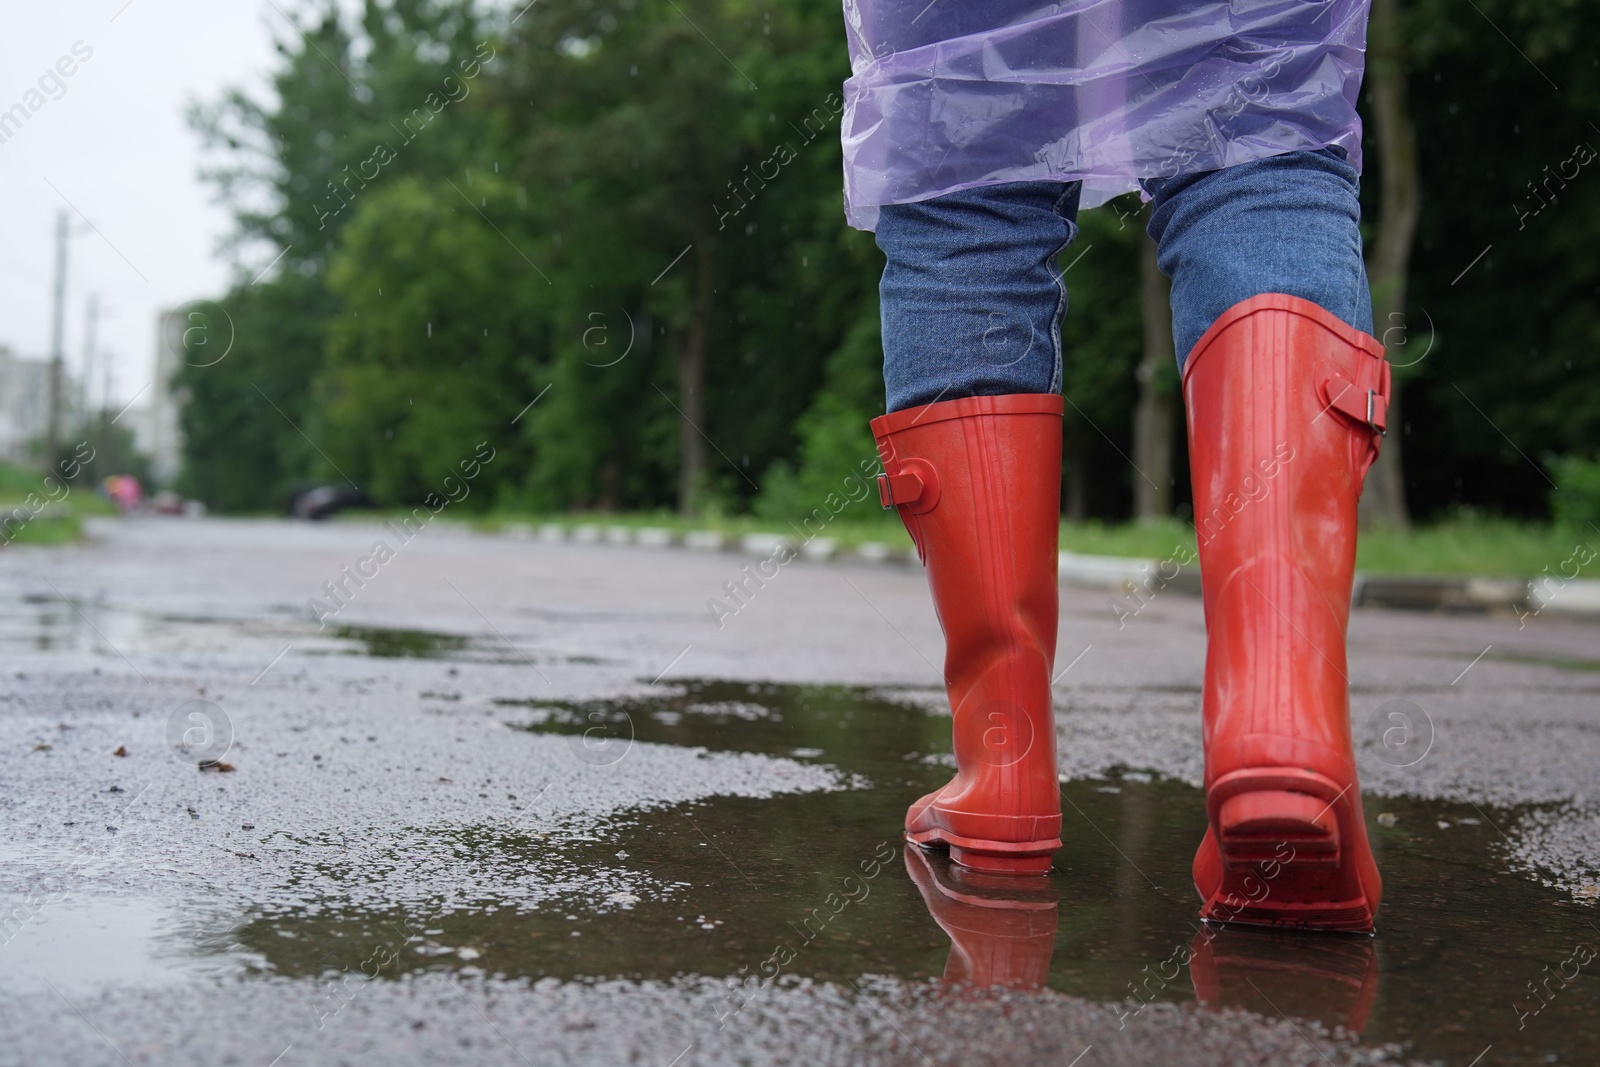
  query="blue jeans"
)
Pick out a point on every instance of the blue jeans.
point(972, 296)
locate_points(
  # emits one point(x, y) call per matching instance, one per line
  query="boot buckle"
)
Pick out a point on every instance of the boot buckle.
point(897, 489)
point(1344, 397)
point(1376, 419)
point(916, 487)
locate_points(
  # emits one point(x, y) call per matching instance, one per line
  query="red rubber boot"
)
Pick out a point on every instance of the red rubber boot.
point(1286, 406)
point(977, 483)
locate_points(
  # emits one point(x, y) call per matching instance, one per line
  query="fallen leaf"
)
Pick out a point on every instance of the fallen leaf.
point(216, 765)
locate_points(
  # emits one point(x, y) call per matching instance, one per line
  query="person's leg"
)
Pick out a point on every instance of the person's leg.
point(1285, 224)
point(971, 450)
point(1286, 396)
point(972, 297)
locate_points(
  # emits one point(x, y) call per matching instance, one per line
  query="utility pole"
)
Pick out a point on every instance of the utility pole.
point(105, 396)
point(91, 321)
point(52, 432)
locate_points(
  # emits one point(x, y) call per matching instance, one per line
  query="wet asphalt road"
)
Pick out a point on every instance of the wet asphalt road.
point(392, 770)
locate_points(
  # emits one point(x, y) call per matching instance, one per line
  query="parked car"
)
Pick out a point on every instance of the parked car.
point(325, 501)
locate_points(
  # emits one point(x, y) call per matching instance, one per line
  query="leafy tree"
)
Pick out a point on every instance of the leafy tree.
point(425, 361)
point(242, 448)
point(690, 208)
point(1505, 279)
point(295, 174)
point(629, 209)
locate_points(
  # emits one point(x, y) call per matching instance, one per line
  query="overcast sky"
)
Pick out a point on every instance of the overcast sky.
point(114, 146)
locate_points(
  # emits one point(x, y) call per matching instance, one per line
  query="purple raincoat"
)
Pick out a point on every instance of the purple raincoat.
point(951, 94)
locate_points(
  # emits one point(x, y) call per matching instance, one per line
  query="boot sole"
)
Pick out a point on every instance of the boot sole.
point(1277, 853)
point(991, 857)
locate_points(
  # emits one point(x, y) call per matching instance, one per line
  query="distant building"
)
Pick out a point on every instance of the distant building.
point(24, 403)
point(166, 439)
point(155, 422)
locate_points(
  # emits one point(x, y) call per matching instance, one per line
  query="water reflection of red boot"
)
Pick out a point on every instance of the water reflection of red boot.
point(1333, 981)
point(1002, 929)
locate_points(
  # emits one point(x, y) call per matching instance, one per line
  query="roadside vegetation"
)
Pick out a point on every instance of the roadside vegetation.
point(1467, 543)
point(28, 515)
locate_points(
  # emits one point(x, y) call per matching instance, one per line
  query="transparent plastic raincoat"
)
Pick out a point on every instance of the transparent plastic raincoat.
point(951, 94)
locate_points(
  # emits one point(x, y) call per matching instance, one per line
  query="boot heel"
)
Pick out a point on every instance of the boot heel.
point(1277, 856)
point(1000, 862)
point(1277, 825)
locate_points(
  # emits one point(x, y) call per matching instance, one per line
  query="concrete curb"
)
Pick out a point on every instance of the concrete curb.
point(1127, 576)
point(761, 545)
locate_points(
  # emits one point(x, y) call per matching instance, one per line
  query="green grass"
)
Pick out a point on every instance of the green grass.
point(1152, 540)
point(57, 526)
point(1476, 545)
point(56, 523)
point(1463, 545)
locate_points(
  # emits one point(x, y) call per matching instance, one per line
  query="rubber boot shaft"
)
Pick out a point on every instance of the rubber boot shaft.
point(977, 483)
point(1285, 408)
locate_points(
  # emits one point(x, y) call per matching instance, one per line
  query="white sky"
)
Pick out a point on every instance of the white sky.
point(117, 147)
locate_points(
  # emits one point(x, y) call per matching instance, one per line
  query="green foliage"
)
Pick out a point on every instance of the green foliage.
point(475, 212)
point(1102, 339)
point(646, 146)
point(17, 481)
point(1501, 94)
point(835, 438)
point(1575, 500)
point(410, 90)
point(242, 426)
point(424, 361)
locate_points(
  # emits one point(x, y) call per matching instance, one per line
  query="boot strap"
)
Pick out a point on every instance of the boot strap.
point(914, 487)
point(1367, 407)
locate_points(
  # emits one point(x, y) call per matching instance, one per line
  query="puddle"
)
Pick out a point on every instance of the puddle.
point(80, 944)
point(37, 623)
point(844, 727)
point(814, 885)
point(388, 643)
point(40, 624)
point(403, 644)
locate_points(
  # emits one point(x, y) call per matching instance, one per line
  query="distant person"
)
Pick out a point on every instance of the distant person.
point(124, 491)
point(973, 135)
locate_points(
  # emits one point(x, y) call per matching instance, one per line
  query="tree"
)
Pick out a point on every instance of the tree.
point(243, 448)
point(1152, 413)
point(1506, 355)
point(1101, 341)
point(1389, 255)
point(295, 173)
point(685, 202)
point(436, 347)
